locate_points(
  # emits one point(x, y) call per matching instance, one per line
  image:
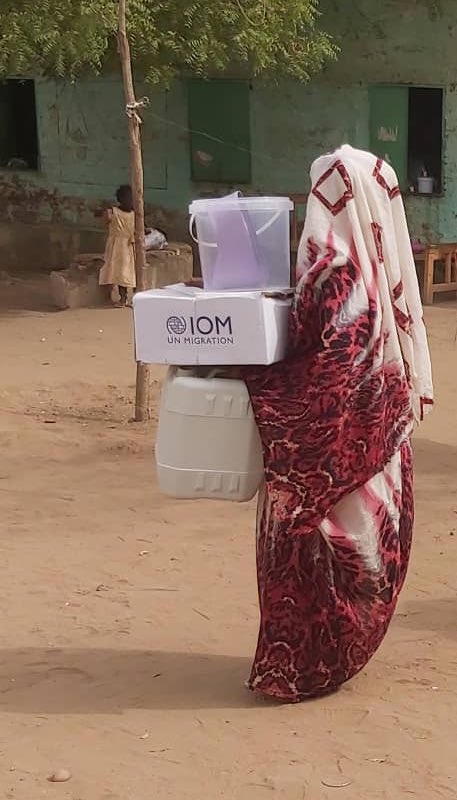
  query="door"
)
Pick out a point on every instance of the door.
point(389, 127)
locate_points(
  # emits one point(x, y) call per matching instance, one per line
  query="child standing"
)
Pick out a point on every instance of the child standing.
point(118, 271)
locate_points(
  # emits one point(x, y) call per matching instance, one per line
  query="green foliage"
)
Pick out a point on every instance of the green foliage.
point(64, 38)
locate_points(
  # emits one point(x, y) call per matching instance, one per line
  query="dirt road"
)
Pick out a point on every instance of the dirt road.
point(129, 620)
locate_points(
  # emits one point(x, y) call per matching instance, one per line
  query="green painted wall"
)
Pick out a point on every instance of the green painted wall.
point(404, 42)
point(84, 148)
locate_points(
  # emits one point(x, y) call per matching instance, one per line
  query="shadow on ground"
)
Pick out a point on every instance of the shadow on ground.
point(434, 615)
point(71, 681)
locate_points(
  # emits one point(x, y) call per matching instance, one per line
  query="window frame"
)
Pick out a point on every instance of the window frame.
point(36, 169)
point(197, 133)
point(406, 191)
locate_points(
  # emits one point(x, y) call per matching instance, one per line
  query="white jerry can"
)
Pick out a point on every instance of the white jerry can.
point(208, 444)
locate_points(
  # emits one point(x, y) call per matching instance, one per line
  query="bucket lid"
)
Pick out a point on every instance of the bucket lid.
point(234, 203)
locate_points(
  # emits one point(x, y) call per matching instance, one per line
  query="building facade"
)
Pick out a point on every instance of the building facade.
point(64, 148)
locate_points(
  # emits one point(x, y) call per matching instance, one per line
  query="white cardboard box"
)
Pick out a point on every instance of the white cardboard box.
point(183, 325)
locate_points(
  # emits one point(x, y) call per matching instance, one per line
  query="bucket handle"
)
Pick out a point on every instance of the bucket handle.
point(269, 223)
point(214, 372)
point(194, 238)
point(214, 245)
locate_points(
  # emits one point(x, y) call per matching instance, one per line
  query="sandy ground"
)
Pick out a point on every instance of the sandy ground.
point(129, 620)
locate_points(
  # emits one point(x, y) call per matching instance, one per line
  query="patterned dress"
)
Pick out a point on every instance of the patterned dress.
point(336, 514)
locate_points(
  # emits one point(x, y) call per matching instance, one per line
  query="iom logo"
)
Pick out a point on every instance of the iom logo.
point(176, 326)
point(208, 330)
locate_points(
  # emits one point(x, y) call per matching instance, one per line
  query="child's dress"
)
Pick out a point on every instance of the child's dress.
point(119, 266)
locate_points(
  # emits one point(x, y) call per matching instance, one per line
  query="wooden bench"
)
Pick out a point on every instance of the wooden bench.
point(297, 219)
point(446, 255)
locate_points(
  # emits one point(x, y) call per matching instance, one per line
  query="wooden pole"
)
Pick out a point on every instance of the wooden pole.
point(137, 181)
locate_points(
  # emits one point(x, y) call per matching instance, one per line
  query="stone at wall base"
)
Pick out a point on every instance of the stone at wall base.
point(77, 286)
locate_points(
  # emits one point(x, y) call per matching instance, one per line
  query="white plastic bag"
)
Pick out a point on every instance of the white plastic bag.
point(155, 240)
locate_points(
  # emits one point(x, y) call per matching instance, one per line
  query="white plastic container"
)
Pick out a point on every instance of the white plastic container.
point(208, 444)
point(425, 185)
point(244, 242)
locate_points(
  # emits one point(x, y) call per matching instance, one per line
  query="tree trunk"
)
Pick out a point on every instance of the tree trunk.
point(137, 180)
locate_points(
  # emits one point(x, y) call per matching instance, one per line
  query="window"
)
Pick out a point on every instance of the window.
point(220, 139)
point(406, 129)
point(425, 136)
point(18, 125)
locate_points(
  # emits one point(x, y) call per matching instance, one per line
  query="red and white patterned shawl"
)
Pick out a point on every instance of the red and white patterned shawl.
point(335, 418)
point(355, 204)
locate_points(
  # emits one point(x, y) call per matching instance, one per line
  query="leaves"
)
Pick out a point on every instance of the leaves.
point(64, 38)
